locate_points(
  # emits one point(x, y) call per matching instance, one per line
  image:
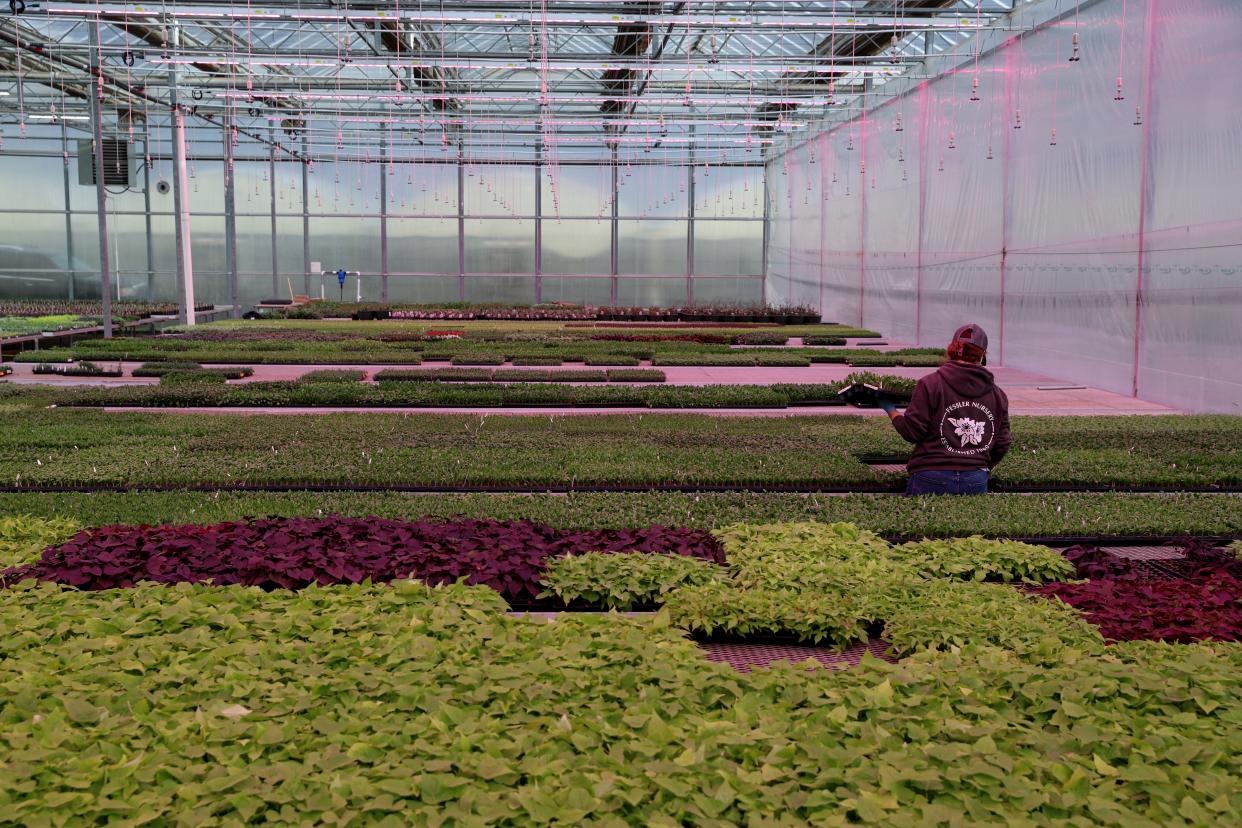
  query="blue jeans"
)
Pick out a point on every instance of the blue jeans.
point(948, 482)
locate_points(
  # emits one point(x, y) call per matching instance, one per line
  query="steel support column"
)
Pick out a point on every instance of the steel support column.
point(181, 196)
point(271, 176)
point(146, 202)
point(71, 274)
point(612, 283)
point(461, 227)
point(230, 217)
point(101, 193)
point(1149, 43)
point(690, 224)
point(539, 223)
point(306, 260)
point(385, 169)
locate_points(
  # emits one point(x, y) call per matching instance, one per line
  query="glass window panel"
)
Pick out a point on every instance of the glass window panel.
point(423, 190)
point(422, 245)
point(728, 192)
point(499, 190)
point(289, 252)
point(580, 291)
point(728, 248)
point(38, 179)
point(651, 191)
point(207, 250)
point(500, 246)
point(728, 291)
point(509, 290)
point(164, 249)
point(252, 187)
point(288, 187)
point(206, 183)
point(651, 248)
point(576, 191)
point(346, 243)
point(422, 290)
point(577, 246)
point(254, 245)
point(348, 187)
point(33, 257)
point(651, 293)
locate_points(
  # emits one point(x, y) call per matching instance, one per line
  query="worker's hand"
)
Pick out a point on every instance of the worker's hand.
point(888, 407)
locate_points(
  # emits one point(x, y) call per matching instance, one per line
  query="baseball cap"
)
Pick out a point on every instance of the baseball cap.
point(971, 335)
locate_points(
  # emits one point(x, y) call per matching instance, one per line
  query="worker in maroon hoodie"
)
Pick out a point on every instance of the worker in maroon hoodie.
point(957, 419)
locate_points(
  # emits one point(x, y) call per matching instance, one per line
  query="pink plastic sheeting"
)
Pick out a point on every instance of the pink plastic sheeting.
point(1105, 253)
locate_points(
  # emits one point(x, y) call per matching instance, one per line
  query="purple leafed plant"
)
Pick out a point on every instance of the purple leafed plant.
point(509, 556)
point(1128, 609)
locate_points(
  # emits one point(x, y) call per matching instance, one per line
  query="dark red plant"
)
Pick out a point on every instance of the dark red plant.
point(1178, 610)
point(508, 556)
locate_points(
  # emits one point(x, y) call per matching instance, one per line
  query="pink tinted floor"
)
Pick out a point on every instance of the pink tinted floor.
point(1025, 398)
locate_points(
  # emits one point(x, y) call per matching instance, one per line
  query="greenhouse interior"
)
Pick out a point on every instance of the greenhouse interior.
point(621, 413)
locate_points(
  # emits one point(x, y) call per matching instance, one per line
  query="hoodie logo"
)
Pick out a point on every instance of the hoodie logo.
point(968, 431)
point(967, 428)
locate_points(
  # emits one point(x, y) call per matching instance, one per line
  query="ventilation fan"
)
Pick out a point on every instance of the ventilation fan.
point(119, 168)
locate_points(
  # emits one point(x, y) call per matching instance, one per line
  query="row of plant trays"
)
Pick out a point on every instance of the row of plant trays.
point(600, 314)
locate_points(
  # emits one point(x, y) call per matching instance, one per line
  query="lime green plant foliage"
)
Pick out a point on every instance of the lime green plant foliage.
point(720, 608)
point(981, 559)
point(942, 614)
point(413, 706)
point(624, 581)
point(23, 538)
point(913, 589)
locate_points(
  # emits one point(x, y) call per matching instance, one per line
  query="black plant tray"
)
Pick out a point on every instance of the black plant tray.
point(550, 605)
point(768, 640)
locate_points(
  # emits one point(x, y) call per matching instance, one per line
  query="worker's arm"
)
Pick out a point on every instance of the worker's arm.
point(1004, 437)
point(915, 423)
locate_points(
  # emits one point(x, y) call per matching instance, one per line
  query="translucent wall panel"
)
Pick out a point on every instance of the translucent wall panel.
point(211, 282)
point(577, 246)
point(344, 188)
point(289, 253)
point(345, 243)
point(651, 292)
point(423, 290)
point(38, 180)
point(1074, 207)
point(728, 192)
point(499, 190)
point(651, 248)
point(728, 248)
point(509, 290)
point(1034, 216)
point(580, 291)
point(651, 191)
point(1192, 294)
point(891, 229)
point(422, 245)
point(422, 190)
point(205, 180)
point(778, 286)
point(840, 228)
point(500, 246)
point(963, 201)
point(709, 291)
point(576, 190)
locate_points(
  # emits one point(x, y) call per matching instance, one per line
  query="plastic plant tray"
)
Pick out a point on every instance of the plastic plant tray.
point(745, 657)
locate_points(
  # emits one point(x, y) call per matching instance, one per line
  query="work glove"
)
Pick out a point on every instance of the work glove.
point(888, 407)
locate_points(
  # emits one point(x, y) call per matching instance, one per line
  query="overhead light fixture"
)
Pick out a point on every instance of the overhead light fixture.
point(58, 117)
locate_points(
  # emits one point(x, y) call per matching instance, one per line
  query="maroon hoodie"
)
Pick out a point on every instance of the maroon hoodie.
point(958, 420)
